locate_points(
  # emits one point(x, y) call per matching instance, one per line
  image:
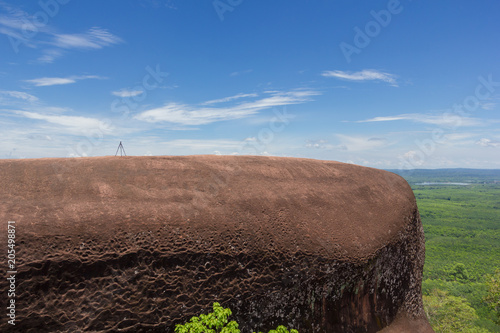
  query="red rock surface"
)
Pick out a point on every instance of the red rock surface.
point(138, 244)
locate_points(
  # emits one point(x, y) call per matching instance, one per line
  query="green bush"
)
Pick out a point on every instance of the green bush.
point(450, 314)
point(217, 322)
point(493, 297)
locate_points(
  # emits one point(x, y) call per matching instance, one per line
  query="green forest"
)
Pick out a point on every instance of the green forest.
point(460, 212)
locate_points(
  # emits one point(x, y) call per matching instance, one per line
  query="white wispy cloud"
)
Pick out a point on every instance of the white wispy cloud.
point(188, 115)
point(12, 17)
point(319, 144)
point(228, 99)
point(13, 101)
point(488, 143)
point(446, 119)
point(49, 55)
point(459, 136)
point(415, 157)
point(205, 144)
point(76, 124)
point(359, 143)
point(241, 72)
point(17, 23)
point(52, 81)
point(192, 115)
point(19, 95)
point(488, 106)
point(158, 3)
point(127, 93)
point(364, 75)
point(94, 38)
point(24, 29)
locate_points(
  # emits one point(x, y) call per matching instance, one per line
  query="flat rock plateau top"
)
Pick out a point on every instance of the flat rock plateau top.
point(347, 209)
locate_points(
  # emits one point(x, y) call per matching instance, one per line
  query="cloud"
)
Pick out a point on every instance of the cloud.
point(24, 29)
point(359, 143)
point(191, 115)
point(205, 144)
point(364, 75)
point(488, 106)
point(12, 101)
point(241, 73)
point(52, 81)
point(16, 23)
point(488, 143)
point(20, 95)
point(187, 115)
point(228, 99)
point(12, 17)
point(413, 156)
point(127, 93)
point(318, 144)
point(446, 119)
point(281, 98)
point(158, 3)
point(77, 124)
point(94, 38)
point(49, 55)
point(459, 136)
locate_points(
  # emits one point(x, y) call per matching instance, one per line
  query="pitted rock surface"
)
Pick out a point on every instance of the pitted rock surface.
point(139, 244)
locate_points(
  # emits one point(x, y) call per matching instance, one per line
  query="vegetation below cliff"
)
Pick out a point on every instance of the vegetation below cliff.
point(462, 230)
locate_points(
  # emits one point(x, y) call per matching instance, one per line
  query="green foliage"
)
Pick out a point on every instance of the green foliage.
point(462, 232)
point(282, 329)
point(450, 314)
point(493, 296)
point(214, 322)
point(458, 273)
point(473, 292)
point(217, 322)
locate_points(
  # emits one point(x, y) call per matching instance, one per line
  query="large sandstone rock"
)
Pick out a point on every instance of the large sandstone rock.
point(138, 244)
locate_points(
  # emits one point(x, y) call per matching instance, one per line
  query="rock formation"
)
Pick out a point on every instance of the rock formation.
point(139, 244)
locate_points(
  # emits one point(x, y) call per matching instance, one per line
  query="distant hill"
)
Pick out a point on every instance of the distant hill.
point(449, 175)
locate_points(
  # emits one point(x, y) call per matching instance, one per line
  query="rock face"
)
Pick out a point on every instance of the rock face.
point(139, 244)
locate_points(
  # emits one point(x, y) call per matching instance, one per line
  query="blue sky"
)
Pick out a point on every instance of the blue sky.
point(387, 84)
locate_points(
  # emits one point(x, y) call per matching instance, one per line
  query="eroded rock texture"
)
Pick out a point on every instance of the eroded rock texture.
point(138, 244)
